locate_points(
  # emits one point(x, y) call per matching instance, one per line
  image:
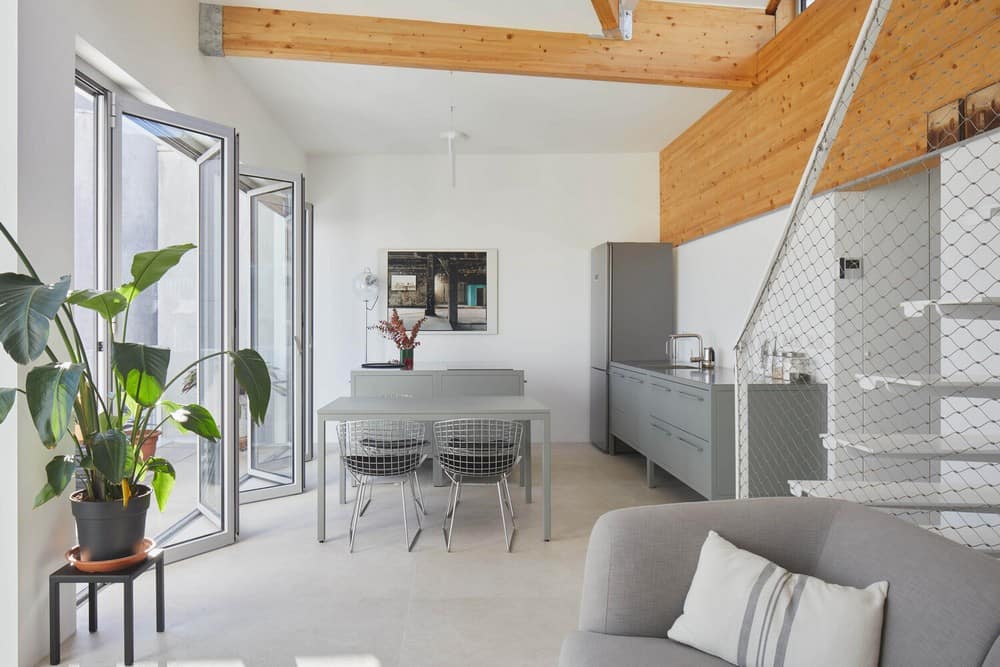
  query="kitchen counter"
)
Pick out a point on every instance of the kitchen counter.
point(715, 377)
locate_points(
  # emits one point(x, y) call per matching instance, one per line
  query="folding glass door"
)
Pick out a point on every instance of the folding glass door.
point(272, 313)
point(174, 182)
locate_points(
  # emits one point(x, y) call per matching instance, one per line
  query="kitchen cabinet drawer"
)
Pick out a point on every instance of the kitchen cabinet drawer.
point(413, 384)
point(695, 468)
point(689, 409)
point(659, 446)
point(479, 383)
point(625, 405)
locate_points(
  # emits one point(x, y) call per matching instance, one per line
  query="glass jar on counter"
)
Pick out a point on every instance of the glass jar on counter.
point(799, 368)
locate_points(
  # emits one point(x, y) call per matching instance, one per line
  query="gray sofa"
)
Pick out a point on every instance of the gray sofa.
point(944, 599)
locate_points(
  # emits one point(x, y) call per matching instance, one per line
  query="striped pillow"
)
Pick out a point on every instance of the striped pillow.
point(750, 612)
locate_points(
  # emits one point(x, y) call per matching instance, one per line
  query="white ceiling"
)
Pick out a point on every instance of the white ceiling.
point(336, 108)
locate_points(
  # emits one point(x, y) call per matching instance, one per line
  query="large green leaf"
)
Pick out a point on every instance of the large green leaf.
point(7, 397)
point(110, 451)
point(149, 267)
point(46, 494)
point(253, 376)
point(59, 472)
point(142, 371)
point(107, 304)
point(51, 391)
point(27, 306)
point(194, 418)
point(164, 477)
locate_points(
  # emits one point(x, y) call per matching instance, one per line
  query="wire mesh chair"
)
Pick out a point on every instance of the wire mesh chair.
point(382, 451)
point(478, 451)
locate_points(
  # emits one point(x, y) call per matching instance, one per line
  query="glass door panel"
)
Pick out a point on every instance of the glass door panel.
point(271, 454)
point(174, 179)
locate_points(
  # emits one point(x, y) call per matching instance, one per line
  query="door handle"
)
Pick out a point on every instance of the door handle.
point(691, 444)
point(694, 397)
point(660, 386)
point(618, 375)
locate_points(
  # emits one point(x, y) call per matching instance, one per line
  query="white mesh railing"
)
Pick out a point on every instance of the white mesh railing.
point(883, 306)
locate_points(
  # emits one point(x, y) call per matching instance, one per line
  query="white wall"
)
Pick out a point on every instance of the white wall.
point(156, 43)
point(718, 277)
point(542, 212)
point(8, 372)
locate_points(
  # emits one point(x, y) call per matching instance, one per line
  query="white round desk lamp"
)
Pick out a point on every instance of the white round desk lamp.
point(366, 289)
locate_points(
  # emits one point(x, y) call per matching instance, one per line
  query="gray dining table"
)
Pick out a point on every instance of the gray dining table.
point(514, 408)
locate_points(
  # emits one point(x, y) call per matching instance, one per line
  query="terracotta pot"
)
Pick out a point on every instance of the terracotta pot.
point(148, 446)
point(106, 529)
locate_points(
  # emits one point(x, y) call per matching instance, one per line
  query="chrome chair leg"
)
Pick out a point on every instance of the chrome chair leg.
point(371, 496)
point(418, 508)
point(510, 503)
point(419, 493)
point(450, 517)
point(355, 517)
point(406, 531)
point(508, 539)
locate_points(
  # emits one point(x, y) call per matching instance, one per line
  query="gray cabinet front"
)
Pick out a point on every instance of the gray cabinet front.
point(626, 403)
point(685, 428)
point(481, 383)
point(409, 384)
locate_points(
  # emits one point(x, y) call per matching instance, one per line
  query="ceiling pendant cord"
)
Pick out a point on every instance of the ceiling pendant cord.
point(452, 134)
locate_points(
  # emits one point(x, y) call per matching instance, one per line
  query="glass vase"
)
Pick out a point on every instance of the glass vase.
point(406, 358)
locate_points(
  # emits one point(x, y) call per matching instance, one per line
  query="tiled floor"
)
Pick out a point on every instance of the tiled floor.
point(279, 598)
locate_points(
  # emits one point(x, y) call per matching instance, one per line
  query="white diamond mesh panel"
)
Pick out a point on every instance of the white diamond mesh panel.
point(896, 398)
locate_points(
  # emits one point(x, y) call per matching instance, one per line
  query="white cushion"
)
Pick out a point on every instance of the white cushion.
point(748, 611)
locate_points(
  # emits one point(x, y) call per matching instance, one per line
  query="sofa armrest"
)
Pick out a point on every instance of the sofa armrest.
point(640, 561)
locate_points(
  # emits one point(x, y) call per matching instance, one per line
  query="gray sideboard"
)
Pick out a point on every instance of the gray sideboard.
point(433, 381)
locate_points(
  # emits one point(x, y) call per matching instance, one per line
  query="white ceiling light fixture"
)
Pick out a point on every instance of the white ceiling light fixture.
point(451, 135)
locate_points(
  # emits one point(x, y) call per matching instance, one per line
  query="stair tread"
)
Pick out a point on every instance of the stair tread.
point(918, 495)
point(983, 308)
point(982, 388)
point(985, 540)
point(956, 446)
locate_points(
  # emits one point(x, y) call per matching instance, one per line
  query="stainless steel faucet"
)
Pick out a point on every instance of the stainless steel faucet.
point(672, 347)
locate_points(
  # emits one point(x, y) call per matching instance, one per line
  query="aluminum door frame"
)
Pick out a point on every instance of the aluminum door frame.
point(308, 425)
point(297, 485)
point(229, 423)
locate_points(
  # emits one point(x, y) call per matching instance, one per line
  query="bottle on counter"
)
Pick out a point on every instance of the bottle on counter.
point(778, 365)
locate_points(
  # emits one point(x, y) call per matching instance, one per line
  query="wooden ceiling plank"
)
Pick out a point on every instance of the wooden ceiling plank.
point(681, 44)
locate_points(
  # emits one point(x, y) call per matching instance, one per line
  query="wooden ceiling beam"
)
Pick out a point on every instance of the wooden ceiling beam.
point(673, 44)
point(607, 14)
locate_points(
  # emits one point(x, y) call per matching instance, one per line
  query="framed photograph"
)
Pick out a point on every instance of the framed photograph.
point(982, 110)
point(403, 283)
point(944, 126)
point(456, 290)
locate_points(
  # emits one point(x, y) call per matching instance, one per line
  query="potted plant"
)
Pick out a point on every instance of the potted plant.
point(113, 453)
point(395, 330)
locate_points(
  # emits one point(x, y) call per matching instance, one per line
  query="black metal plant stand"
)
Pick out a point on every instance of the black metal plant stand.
point(68, 574)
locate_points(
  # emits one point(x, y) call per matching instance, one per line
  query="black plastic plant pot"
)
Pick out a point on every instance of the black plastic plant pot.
point(107, 530)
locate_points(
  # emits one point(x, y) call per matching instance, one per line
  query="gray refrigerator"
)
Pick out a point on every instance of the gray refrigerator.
point(631, 314)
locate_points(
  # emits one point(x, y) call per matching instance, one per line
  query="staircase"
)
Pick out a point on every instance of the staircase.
point(947, 483)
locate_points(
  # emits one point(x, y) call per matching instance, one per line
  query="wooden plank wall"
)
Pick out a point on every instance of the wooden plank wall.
point(746, 155)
